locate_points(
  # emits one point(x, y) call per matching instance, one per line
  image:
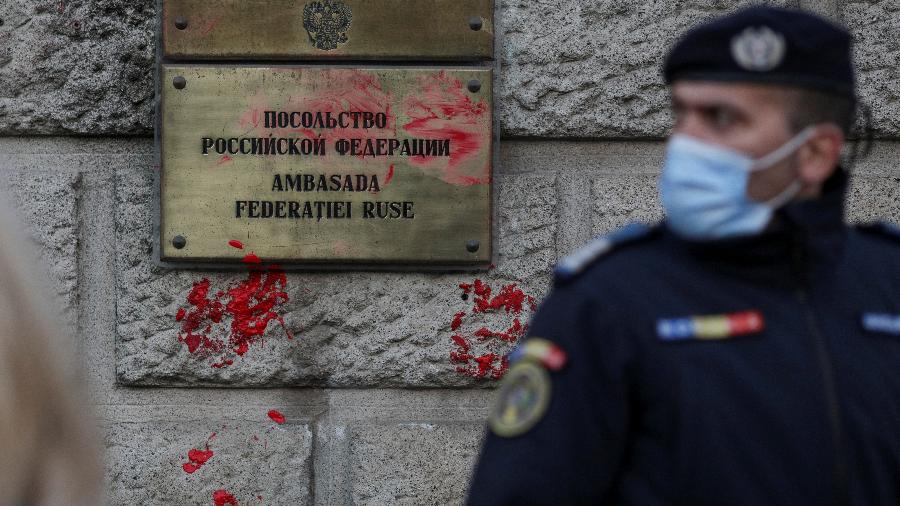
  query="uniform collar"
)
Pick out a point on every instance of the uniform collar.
point(805, 239)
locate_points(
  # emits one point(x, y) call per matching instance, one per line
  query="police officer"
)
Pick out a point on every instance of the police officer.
point(746, 350)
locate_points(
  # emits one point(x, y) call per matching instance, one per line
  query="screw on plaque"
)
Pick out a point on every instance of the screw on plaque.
point(179, 82)
point(474, 85)
point(181, 22)
point(472, 246)
point(179, 241)
point(475, 23)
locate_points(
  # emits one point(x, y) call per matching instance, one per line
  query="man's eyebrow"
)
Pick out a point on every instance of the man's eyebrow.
point(709, 106)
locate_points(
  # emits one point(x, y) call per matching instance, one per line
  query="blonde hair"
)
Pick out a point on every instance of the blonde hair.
point(48, 450)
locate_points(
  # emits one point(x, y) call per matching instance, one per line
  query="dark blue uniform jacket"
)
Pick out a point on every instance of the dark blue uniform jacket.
point(805, 411)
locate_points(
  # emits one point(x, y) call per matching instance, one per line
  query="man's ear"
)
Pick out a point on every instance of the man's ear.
point(820, 155)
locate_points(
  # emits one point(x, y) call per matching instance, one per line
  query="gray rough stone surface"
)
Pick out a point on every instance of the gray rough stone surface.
point(591, 68)
point(351, 329)
point(874, 198)
point(623, 199)
point(47, 203)
point(874, 192)
point(430, 463)
point(81, 66)
point(875, 24)
point(250, 459)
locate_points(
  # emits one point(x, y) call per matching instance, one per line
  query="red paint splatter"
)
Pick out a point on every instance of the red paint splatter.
point(346, 90)
point(510, 298)
point(276, 416)
point(492, 363)
point(443, 109)
point(197, 458)
point(222, 497)
point(234, 243)
point(250, 305)
point(457, 320)
point(223, 160)
point(223, 363)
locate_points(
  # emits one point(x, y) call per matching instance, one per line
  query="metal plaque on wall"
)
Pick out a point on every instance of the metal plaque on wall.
point(315, 165)
point(327, 29)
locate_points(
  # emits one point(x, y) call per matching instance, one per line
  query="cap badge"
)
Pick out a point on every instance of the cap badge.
point(758, 49)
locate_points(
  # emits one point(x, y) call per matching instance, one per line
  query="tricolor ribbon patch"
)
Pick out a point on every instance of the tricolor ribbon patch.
point(710, 326)
point(545, 352)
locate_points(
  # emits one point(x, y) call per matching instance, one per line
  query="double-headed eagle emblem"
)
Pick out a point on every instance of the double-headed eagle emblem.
point(327, 22)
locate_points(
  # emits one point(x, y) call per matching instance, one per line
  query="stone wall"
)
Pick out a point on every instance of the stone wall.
point(375, 411)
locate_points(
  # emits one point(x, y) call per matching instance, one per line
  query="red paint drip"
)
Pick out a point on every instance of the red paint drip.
point(276, 416)
point(251, 259)
point(493, 363)
point(389, 176)
point(250, 304)
point(234, 243)
point(222, 497)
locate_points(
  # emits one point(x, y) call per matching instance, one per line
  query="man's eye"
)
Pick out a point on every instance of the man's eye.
point(722, 118)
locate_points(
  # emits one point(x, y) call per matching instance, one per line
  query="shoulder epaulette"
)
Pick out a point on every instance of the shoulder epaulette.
point(882, 228)
point(574, 264)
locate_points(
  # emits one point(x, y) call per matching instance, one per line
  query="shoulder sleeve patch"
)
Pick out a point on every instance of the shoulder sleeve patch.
point(521, 401)
point(882, 228)
point(571, 266)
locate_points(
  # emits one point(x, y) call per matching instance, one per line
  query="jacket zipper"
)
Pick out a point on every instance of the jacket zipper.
point(826, 369)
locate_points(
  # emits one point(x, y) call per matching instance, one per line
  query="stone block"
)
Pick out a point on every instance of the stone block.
point(79, 66)
point(47, 203)
point(592, 68)
point(350, 329)
point(430, 463)
point(258, 462)
point(873, 198)
point(876, 30)
point(620, 199)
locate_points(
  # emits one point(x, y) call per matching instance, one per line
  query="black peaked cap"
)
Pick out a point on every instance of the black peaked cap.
point(766, 45)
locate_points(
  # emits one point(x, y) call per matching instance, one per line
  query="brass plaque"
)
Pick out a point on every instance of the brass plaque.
point(328, 29)
point(326, 165)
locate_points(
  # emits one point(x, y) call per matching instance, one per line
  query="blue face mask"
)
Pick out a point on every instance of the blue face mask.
point(703, 188)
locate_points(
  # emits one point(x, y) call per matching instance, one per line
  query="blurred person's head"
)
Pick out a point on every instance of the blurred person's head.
point(763, 100)
point(48, 450)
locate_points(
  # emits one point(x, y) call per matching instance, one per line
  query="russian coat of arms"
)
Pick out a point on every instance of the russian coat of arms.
point(327, 22)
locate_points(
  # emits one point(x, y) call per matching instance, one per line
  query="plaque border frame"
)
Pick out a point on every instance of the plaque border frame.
point(300, 266)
